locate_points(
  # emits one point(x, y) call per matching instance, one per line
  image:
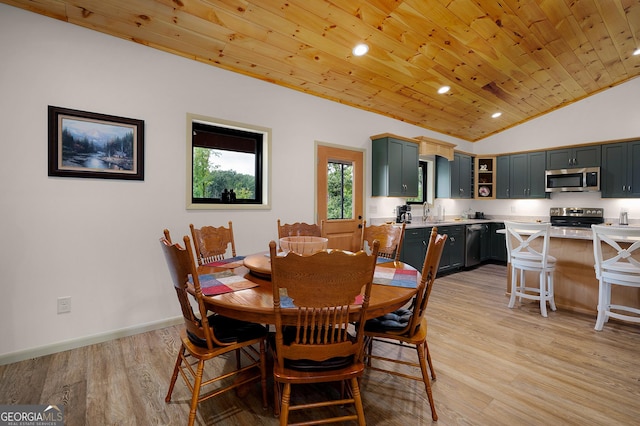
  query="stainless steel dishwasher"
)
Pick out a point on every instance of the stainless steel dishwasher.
point(472, 247)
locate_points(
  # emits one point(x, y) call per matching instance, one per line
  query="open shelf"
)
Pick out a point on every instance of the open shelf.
point(485, 178)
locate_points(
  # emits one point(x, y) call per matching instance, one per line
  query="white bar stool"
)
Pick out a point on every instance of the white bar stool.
point(619, 268)
point(523, 257)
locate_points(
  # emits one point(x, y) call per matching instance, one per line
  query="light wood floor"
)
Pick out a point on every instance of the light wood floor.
point(495, 366)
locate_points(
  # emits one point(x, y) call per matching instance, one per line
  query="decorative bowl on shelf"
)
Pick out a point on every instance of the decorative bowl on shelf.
point(303, 244)
point(484, 191)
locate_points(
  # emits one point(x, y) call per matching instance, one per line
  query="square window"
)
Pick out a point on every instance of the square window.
point(228, 164)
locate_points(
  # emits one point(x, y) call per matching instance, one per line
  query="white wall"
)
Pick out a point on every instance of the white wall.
point(97, 240)
point(608, 116)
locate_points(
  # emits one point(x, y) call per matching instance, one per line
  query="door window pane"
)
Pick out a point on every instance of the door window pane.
point(340, 190)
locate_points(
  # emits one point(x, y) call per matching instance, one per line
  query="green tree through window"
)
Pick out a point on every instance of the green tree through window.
point(340, 190)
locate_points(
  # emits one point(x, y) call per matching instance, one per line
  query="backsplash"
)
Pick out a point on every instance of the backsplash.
point(518, 210)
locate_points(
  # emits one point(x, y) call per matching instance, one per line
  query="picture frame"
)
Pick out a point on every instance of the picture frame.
point(91, 145)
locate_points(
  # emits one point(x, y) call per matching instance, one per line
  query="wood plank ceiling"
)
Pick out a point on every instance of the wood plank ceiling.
point(523, 58)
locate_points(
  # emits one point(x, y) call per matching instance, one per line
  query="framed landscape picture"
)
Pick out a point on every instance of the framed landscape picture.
point(92, 145)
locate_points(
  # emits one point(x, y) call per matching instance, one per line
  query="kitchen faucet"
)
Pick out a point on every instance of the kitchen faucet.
point(425, 211)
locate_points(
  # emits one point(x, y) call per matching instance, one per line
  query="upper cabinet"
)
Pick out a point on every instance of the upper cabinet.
point(521, 175)
point(485, 180)
point(570, 158)
point(503, 170)
point(454, 179)
point(618, 177)
point(394, 166)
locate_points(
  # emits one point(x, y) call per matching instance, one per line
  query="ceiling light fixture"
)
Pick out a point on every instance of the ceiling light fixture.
point(444, 89)
point(636, 52)
point(496, 114)
point(360, 49)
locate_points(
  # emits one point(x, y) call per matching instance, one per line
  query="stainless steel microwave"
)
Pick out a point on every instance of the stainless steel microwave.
point(573, 180)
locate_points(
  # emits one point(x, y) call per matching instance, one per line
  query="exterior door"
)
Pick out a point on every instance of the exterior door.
point(339, 199)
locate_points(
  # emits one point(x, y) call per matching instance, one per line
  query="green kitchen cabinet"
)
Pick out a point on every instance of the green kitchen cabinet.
point(503, 170)
point(414, 246)
point(526, 175)
point(498, 242)
point(571, 158)
point(454, 179)
point(453, 252)
point(485, 242)
point(394, 166)
point(618, 176)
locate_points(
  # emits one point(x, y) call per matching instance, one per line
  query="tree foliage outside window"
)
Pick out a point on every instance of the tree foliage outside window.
point(210, 181)
point(340, 190)
point(226, 165)
point(422, 174)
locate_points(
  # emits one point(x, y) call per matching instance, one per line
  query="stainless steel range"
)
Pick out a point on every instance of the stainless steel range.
point(580, 217)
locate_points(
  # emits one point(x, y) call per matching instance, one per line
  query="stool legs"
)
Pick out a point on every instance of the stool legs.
point(544, 292)
point(604, 298)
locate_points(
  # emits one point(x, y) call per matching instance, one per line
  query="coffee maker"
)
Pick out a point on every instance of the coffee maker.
point(403, 214)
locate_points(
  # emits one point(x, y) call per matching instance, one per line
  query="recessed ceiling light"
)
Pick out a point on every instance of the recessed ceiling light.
point(636, 52)
point(444, 89)
point(496, 114)
point(360, 49)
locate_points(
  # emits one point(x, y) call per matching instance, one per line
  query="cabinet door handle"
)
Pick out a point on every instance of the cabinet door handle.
point(623, 188)
point(424, 243)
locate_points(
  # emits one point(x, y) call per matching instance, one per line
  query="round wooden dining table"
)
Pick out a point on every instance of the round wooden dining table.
point(256, 304)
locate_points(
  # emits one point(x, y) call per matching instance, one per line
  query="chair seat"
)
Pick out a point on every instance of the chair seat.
point(532, 260)
point(394, 321)
point(419, 336)
point(229, 330)
point(298, 376)
point(331, 364)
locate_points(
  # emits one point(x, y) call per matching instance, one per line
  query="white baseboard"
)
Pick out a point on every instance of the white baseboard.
point(87, 340)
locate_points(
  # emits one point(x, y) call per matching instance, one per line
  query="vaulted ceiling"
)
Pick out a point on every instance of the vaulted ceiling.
point(523, 58)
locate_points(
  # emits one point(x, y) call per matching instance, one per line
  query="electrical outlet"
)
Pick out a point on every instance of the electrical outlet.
point(64, 304)
point(513, 209)
point(373, 209)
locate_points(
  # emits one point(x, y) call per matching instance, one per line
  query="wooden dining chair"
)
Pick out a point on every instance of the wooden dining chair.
point(408, 327)
point(298, 229)
point(209, 336)
point(212, 243)
point(389, 235)
point(316, 346)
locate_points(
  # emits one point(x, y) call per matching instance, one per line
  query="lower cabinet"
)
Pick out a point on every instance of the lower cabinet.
point(453, 253)
point(414, 246)
point(498, 243)
point(485, 242)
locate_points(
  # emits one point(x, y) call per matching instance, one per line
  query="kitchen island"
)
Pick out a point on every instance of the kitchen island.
point(575, 283)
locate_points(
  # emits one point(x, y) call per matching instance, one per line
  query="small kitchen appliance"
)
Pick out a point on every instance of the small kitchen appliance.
point(576, 217)
point(403, 214)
